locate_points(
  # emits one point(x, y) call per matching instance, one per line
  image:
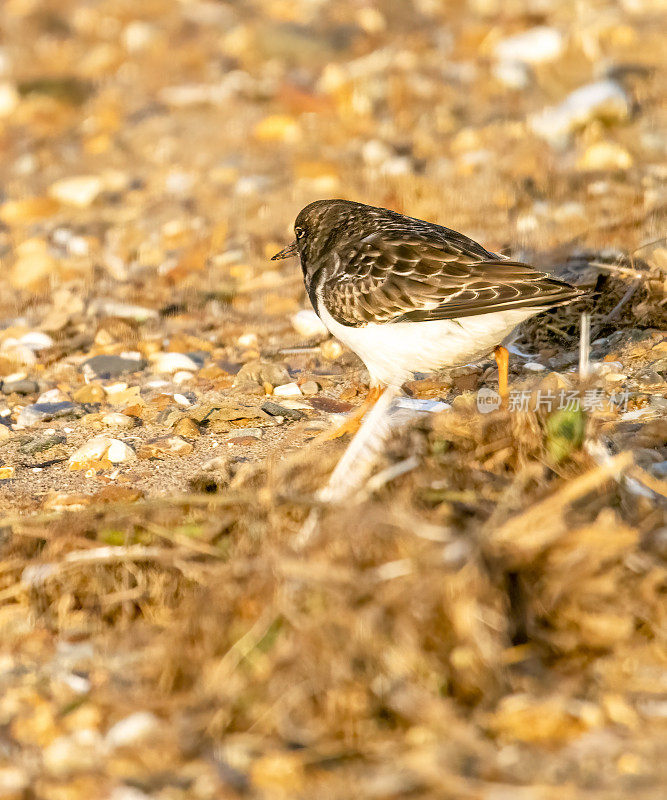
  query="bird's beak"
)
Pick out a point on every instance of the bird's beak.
point(288, 251)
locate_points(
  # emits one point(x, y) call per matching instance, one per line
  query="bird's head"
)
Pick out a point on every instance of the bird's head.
point(320, 228)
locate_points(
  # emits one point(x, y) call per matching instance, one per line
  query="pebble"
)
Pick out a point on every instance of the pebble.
point(117, 420)
point(182, 376)
point(605, 100)
point(276, 410)
point(534, 366)
point(133, 730)
point(535, 46)
point(513, 74)
point(261, 372)
point(107, 366)
point(39, 444)
point(173, 362)
point(6, 473)
point(331, 349)
point(242, 433)
point(605, 156)
point(307, 324)
point(247, 340)
point(9, 99)
point(310, 388)
point(36, 340)
point(649, 377)
point(165, 446)
point(114, 308)
point(14, 783)
point(39, 412)
point(100, 449)
point(79, 191)
point(33, 266)
point(20, 386)
point(187, 427)
point(90, 393)
point(80, 752)
point(287, 390)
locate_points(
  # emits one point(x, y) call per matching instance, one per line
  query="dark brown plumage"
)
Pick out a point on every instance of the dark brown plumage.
point(371, 264)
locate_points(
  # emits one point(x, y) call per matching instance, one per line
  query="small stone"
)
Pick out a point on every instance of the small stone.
point(649, 377)
point(245, 433)
point(20, 386)
point(660, 366)
point(307, 324)
point(108, 367)
point(117, 420)
point(247, 340)
point(33, 266)
point(605, 100)
point(278, 128)
point(67, 755)
point(100, 452)
point(261, 372)
point(14, 783)
point(36, 340)
point(90, 393)
point(187, 427)
point(513, 74)
point(310, 388)
point(182, 376)
point(133, 730)
point(165, 447)
point(6, 473)
point(605, 156)
point(9, 99)
point(79, 191)
point(39, 444)
point(287, 390)
point(331, 349)
point(276, 410)
point(534, 46)
point(534, 366)
point(173, 362)
point(40, 412)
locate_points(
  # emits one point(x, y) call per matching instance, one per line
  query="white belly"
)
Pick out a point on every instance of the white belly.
point(394, 351)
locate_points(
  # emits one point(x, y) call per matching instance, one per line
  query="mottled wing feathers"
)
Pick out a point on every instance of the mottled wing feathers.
point(386, 277)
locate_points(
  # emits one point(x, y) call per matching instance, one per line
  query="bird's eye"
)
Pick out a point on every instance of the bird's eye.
point(300, 232)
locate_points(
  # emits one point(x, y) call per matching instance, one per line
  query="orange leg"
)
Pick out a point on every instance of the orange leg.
point(503, 361)
point(353, 422)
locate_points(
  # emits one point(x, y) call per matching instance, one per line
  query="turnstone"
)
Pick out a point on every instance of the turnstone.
point(409, 296)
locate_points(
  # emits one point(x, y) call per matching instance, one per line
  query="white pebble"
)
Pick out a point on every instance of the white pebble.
point(534, 46)
point(287, 390)
point(79, 752)
point(247, 340)
point(534, 366)
point(9, 99)
point(173, 362)
point(182, 376)
point(117, 420)
point(513, 74)
point(308, 324)
point(182, 400)
point(133, 730)
point(79, 191)
point(36, 340)
point(119, 451)
point(605, 100)
point(53, 396)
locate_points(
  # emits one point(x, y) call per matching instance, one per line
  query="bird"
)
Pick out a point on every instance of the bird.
point(411, 296)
